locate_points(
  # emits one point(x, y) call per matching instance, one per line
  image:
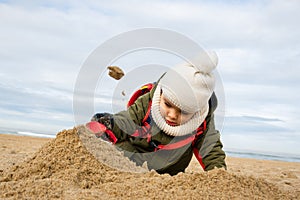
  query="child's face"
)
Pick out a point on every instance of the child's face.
point(172, 114)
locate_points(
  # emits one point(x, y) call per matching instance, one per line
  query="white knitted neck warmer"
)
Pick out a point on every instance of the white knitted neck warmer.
point(180, 130)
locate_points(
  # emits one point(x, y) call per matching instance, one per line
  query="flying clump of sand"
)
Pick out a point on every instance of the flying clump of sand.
point(71, 166)
point(115, 72)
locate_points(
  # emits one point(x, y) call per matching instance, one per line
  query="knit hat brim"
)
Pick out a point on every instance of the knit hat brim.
point(182, 129)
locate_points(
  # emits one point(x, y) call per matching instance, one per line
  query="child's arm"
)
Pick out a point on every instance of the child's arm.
point(210, 147)
point(126, 122)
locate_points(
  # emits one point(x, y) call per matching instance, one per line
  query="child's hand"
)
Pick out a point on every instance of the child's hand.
point(97, 128)
point(104, 118)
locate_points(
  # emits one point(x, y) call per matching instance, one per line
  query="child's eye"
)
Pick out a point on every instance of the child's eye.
point(184, 113)
point(168, 104)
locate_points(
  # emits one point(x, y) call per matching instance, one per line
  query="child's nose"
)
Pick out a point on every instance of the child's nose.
point(173, 114)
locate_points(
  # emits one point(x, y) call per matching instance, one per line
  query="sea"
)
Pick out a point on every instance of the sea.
point(263, 155)
point(239, 153)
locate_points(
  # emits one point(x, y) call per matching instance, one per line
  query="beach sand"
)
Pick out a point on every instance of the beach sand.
point(75, 165)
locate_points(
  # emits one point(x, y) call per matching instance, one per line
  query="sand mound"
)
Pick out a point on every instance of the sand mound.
point(65, 169)
point(106, 153)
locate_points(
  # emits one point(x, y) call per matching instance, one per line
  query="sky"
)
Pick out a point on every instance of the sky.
point(44, 45)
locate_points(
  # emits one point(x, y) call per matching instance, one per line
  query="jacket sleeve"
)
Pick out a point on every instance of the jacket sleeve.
point(128, 121)
point(210, 145)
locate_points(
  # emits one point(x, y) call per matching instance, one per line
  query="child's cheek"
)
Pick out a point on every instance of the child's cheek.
point(183, 119)
point(162, 111)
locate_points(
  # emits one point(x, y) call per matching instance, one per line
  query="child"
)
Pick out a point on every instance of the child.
point(175, 119)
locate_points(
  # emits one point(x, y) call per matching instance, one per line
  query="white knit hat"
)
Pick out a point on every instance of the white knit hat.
point(189, 86)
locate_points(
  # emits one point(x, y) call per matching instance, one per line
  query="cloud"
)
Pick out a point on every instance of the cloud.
point(255, 125)
point(44, 44)
point(262, 119)
point(262, 143)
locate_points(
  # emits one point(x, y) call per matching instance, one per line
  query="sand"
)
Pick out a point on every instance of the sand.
point(76, 165)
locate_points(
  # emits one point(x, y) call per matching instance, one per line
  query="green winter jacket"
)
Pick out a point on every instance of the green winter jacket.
point(173, 161)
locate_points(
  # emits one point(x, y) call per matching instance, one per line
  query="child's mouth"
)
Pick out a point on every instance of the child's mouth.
point(171, 123)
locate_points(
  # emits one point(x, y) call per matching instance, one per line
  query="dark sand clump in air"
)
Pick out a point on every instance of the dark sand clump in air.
point(65, 169)
point(115, 72)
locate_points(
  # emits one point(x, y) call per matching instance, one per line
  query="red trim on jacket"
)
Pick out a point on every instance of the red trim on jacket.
point(199, 157)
